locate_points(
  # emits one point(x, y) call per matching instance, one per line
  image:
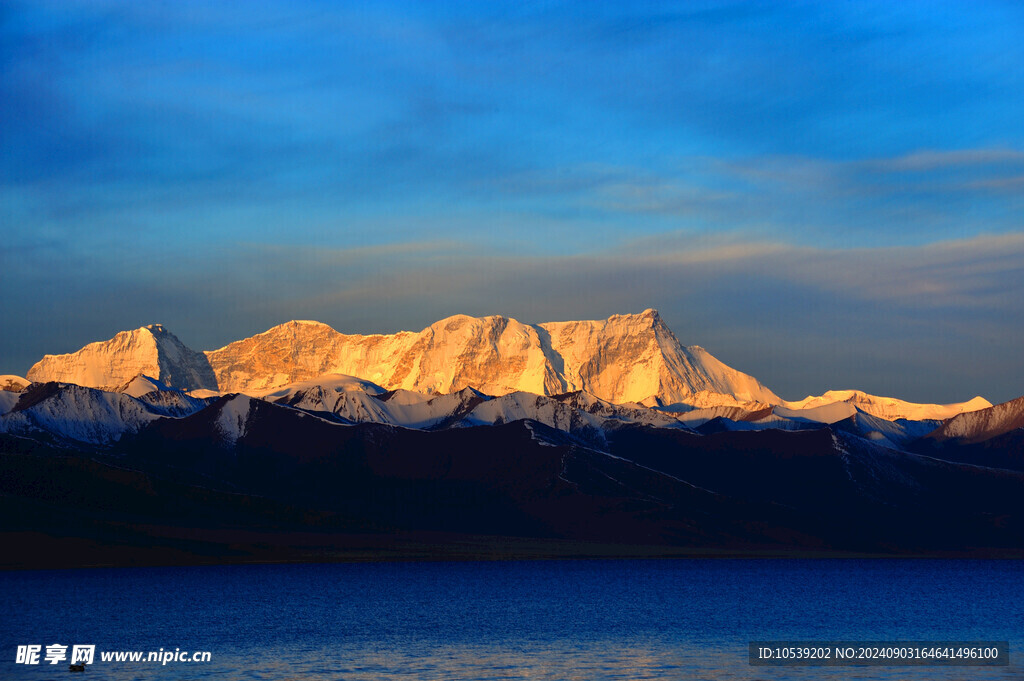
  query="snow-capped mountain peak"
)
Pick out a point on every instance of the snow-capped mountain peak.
point(151, 350)
point(889, 408)
point(625, 358)
point(140, 385)
point(983, 424)
point(233, 416)
point(12, 383)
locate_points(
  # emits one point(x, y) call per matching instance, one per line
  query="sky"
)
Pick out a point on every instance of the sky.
point(825, 195)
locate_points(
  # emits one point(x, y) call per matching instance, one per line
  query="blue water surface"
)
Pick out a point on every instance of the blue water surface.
point(594, 619)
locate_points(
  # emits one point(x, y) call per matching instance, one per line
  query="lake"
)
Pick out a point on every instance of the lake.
point(588, 619)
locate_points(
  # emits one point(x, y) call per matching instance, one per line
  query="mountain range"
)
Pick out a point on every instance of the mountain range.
point(623, 359)
point(597, 437)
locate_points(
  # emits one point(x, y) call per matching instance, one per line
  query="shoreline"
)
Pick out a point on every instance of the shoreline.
point(40, 551)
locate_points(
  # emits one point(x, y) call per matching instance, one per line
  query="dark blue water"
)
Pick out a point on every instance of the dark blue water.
point(684, 619)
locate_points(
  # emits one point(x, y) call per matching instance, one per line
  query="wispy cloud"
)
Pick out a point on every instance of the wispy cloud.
point(937, 159)
point(1014, 183)
point(904, 199)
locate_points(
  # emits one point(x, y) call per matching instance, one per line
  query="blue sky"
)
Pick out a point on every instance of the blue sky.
point(825, 195)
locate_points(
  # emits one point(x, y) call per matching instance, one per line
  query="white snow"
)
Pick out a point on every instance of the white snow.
point(203, 393)
point(348, 399)
point(7, 400)
point(985, 423)
point(336, 383)
point(632, 359)
point(524, 405)
point(829, 412)
point(233, 418)
point(149, 350)
point(141, 385)
point(82, 414)
point(623, 359)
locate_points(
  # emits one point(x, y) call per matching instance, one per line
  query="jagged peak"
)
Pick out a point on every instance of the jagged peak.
point(580, 397)
point(151, 350)
point(128, 333)
point(625, 357)
point(652, 314)
point(649, 315)
point(470, 391)
point(466, 394)
point(40, 391)
point(984, 423)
